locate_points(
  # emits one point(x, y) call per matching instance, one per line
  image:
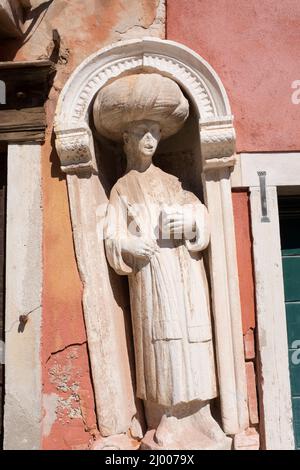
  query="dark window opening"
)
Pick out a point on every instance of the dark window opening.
point(289, 215)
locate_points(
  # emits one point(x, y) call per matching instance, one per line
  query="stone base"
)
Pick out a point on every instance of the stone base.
point(115, 442)
point(186, 426)
point(247, 440)
point(149, 443)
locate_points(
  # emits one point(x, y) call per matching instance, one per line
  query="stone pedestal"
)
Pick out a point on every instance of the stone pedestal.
point(149, 443)
point(115, 442)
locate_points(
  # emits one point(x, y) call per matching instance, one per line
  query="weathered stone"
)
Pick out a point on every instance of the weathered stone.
point(252, 393)
point(249, 345)
point(247, 440)
point(188, 443)
point(115, 442)
point(274, 385)
point(23, 378)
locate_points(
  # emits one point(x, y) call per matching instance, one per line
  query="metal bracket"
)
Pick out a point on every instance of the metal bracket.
point(263, 196)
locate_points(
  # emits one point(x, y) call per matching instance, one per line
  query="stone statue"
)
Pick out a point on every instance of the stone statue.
point(155, 233)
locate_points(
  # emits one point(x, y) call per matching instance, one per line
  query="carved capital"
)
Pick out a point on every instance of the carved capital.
point(217, 144)
point(217, 163)
point(75, 149)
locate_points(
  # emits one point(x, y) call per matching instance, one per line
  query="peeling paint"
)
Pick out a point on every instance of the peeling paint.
point(49, 409)
point(69, 382)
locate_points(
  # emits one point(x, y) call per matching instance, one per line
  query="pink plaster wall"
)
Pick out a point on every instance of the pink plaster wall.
point(254, 46)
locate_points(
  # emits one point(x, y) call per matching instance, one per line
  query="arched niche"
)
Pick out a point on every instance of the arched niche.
point(88, 186)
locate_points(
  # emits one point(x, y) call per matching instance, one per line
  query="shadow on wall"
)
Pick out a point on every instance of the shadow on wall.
point(10, 47)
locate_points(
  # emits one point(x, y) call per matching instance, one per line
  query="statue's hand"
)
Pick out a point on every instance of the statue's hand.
point(139, 247)
point(179, 224)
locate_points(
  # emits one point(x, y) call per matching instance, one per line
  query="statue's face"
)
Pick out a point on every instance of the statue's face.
point(142, 138)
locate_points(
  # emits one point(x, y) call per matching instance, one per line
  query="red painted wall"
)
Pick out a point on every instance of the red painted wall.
point(254, 46)
point(240, 201)
point(241, 211)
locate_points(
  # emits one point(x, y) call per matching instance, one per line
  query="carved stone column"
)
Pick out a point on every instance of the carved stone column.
point(217, 147)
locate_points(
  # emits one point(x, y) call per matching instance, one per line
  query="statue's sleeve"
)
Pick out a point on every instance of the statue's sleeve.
point(201, 240)
point(115, 230)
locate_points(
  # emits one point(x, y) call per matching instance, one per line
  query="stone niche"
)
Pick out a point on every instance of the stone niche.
point(201, 155)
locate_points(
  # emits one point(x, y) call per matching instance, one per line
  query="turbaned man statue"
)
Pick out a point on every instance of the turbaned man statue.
point(155, 233)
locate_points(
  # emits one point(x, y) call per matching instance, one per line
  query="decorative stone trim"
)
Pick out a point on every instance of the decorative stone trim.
point(174, 60)
point(283, 169)
point(215, 163)
point(76, 150)
point(217, 140)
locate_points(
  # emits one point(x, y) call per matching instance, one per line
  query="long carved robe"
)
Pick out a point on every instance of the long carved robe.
point(168, 294)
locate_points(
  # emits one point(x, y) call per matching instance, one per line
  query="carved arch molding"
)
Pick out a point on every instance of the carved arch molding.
point(103, 316)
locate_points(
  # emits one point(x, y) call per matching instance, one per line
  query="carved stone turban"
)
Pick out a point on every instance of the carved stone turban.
point(137, 97)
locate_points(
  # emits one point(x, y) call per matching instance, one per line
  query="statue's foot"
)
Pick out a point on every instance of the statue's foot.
point(196, 431)
point(115, 442)
point(204, 420)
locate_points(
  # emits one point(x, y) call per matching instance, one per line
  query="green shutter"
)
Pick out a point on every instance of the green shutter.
point(289, 211)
